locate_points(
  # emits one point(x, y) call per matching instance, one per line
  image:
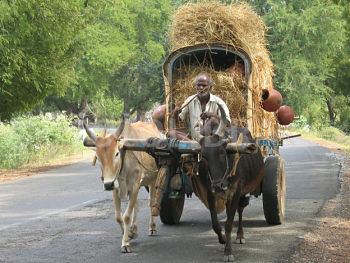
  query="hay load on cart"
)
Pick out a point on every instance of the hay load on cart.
point(228, 42)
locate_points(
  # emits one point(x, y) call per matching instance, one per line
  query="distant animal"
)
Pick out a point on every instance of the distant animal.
point(124, 172)
point(228, 177)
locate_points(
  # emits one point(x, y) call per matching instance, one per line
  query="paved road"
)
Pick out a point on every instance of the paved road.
point(64, 216)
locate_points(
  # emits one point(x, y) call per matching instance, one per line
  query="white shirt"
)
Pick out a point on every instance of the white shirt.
point(194, 109)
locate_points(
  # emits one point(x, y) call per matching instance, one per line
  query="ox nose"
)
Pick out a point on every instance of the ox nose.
point(109, 186)
point(218, 187)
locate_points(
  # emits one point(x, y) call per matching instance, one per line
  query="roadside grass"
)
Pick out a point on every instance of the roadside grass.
point(327, 134)
point(38, 140)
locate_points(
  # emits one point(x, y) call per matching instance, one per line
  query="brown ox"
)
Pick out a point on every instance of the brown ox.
point(124, 172)
point(228, 177)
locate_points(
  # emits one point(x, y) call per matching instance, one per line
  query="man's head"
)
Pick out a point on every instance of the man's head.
point(203, 84)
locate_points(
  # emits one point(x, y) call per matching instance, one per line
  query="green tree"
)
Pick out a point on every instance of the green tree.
point(38, 49)
point(338, 101)
point(305, 37)
point(123, 54)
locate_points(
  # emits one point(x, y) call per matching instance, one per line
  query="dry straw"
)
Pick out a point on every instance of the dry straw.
point(236, 25)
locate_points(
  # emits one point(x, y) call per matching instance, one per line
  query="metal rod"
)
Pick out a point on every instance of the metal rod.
point(292, 136)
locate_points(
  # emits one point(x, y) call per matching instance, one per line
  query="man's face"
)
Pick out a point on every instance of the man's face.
point(202, 86)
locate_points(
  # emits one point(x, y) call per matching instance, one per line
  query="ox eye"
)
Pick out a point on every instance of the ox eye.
point(116, 155)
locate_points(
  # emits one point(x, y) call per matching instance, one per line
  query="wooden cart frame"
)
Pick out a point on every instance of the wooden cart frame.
point(171, 154)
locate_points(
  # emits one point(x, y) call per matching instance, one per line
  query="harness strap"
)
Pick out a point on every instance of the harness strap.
point(140, 162)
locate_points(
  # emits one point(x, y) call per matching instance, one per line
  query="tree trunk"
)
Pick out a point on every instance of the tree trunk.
point(82, 108)
point(126, 110)
point(141, 115)
point(331, 112)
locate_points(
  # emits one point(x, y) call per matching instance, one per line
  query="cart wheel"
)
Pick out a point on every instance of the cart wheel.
point(171, 209)
point(274, 190)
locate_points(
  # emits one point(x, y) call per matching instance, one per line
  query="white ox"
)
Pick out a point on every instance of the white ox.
point(124, 172)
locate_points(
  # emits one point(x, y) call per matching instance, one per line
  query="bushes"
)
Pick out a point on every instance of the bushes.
point(30, 139)
point(13, 151)
point(335, 135)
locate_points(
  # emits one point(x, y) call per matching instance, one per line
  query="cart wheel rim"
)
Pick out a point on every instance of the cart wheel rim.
point(282, 189)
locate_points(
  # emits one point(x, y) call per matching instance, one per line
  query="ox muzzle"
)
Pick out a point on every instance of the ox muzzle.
point(219, 187)
point(109, 186)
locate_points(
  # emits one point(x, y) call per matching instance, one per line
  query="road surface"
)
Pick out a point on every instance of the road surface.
point(64, 216)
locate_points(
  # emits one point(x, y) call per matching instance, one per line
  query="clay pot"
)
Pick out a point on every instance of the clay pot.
point(285, 115)
point(271, 100)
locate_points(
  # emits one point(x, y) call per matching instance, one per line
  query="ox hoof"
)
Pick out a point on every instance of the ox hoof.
point(240, 240)
point(152, 232)
point(133, 235)
point(125, 249)
point(228, 258)
point(222, 240)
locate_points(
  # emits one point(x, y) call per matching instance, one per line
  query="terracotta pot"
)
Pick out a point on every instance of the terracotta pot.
point(271, 100)
point(285, 115)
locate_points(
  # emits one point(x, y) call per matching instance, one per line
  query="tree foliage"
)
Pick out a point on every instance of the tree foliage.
point(100, 53)
point(123, 53)
point(38, 49)
point(305, 37)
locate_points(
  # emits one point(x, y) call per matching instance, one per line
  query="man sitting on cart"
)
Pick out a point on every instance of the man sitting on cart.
point(201, 108)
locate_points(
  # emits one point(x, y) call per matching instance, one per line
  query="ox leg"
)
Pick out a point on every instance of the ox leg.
point(243, 202)
point(117, 210)
point(214, 218)
point(125, 248)
point(231, 208)
point(152, 231)
point(133, 229)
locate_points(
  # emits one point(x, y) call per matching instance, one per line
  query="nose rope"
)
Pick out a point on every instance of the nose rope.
point(225, 175)
point(228, 174)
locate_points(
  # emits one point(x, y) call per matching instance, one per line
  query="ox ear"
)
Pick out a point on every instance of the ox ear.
point(89, 142)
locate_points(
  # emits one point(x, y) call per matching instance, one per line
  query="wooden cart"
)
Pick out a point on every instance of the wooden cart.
point(178, 160)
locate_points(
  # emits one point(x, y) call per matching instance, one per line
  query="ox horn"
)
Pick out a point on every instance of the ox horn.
point(194, 134)
point(120, 128)
point(90, 133)
point(222, 125)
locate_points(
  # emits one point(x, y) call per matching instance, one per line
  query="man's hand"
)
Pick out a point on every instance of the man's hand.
point(207, 115)
point(177, 111)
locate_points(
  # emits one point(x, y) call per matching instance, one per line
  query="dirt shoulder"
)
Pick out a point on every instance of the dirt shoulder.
point(330, 239)
point(31, 170)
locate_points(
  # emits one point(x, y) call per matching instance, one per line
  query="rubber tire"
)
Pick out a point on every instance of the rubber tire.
point(171, 210)
point(274, 190)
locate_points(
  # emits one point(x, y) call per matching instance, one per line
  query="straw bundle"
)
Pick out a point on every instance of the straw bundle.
point(236, 25)
point(230, 86)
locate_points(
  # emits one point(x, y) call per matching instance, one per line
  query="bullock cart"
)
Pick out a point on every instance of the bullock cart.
point(231, 69)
